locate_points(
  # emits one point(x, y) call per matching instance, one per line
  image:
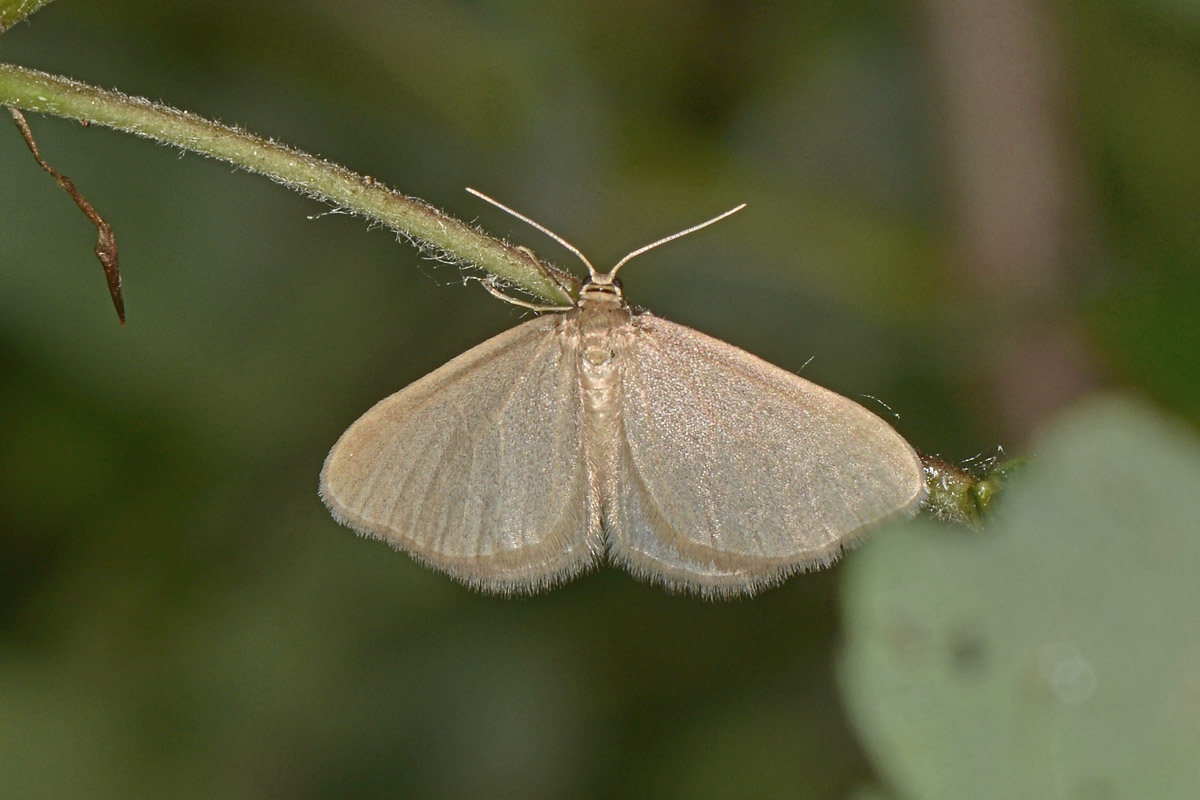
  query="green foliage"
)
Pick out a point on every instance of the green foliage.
point(1054, 653)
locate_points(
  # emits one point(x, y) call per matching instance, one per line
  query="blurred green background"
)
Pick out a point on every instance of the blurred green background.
point(978, 217)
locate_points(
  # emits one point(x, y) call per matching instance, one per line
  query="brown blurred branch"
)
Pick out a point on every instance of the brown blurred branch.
point(1016, 198)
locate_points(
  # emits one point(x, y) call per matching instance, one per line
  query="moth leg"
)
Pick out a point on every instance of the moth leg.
point(553, 274)
point(489, 283)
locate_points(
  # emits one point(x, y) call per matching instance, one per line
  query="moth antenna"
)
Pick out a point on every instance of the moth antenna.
point(675, 236)
point(591, 270)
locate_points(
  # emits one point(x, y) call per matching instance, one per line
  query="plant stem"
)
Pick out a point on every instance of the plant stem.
point(441, 236)
point(13, 11)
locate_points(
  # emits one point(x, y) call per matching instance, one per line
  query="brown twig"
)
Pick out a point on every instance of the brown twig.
point(106, 242)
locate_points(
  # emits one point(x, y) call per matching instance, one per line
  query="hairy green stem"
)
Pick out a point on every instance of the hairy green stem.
point(444, 236)
point(13, 11)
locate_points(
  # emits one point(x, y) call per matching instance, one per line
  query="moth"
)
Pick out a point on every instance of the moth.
point(602, 433)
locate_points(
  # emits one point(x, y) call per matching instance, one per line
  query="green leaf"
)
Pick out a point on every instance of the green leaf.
point(1055, 653)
